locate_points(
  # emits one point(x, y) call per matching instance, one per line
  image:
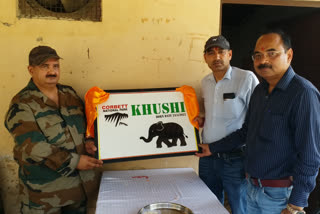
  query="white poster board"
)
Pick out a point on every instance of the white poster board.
point(144, 124)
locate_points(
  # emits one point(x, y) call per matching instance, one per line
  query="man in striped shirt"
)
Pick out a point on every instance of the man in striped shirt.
point(281, 131)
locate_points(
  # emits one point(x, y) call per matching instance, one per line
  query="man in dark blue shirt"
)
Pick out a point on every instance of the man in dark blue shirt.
point(281, 131)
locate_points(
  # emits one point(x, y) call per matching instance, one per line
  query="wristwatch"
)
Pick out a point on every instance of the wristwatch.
point(293, 211)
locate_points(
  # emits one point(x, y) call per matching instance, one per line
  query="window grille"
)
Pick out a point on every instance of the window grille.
point(61, 9)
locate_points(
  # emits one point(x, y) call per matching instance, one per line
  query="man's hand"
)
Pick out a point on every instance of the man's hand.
point(205, 151)
point(86, 162)
point(200, 121)
point(90, 147)
point(286, 211)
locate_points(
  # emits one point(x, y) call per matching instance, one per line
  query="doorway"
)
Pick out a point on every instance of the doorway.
point(241, 24)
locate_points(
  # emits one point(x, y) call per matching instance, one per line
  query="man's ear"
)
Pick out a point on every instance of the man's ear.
point(205, 57)
point(30, 69)
point(230, 54)
point(289, 55)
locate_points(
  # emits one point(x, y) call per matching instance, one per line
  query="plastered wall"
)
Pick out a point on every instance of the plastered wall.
point(138, 44)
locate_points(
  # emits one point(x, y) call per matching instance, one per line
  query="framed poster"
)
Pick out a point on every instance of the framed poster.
point(141, 124)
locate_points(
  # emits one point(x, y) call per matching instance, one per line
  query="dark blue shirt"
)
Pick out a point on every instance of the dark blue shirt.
point(282, 134)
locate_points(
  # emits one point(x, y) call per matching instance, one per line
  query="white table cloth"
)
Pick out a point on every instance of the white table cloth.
point(126, 192)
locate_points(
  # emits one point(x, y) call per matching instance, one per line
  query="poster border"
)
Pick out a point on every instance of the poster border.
point(142, 157)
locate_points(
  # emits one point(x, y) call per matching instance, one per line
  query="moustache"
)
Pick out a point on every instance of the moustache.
point(264, 66)
point(217, 61)
point(51, 75)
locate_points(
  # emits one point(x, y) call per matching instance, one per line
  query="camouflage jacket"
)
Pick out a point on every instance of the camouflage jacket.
point(48, 143)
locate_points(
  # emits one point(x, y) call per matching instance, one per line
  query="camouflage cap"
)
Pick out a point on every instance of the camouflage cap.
point(40, 54)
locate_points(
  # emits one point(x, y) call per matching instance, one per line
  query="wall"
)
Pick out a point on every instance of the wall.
point(138, 44)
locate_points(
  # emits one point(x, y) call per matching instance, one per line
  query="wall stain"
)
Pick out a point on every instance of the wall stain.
point(143, 20)
point(84, 74)
point(191, 46)
point(88, 51)
point(170, 59)
point(6, 24)
point(194, 38)
point(39, 39)
point(195, 60)
point(157, 20)
point(160, 59)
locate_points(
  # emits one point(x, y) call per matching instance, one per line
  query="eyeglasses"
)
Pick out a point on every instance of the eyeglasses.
point(269, 54)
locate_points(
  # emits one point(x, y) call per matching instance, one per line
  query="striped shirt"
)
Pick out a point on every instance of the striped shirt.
point(282, 133)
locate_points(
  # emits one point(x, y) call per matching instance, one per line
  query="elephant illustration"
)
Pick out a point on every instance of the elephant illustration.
point(166, 131)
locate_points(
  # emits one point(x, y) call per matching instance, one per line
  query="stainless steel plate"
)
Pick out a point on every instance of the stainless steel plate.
point(165, 208)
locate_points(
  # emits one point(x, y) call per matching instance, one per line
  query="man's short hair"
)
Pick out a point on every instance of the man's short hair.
point(283, 35)
point(41, 54)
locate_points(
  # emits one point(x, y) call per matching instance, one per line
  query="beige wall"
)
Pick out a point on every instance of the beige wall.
point(138, 44)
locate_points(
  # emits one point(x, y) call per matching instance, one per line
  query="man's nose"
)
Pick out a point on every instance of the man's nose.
point(264, 59)
point(217, 56)
point(51, 69)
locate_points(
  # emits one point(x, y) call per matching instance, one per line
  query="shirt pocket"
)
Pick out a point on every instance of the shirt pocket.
point(273, 126)
point(232, 108)
point(53, 127)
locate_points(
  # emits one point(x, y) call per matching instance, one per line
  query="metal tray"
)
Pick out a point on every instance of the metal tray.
point(165, 208)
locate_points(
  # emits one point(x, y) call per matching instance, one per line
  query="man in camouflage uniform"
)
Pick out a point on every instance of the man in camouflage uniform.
point(47, 122)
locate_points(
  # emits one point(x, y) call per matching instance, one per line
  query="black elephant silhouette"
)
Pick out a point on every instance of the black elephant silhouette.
point(166, 131)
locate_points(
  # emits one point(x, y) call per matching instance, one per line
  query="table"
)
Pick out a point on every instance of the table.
point(126, 192)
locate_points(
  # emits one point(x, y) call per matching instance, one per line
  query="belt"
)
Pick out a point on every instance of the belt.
point(224, 155)
point(283, 182)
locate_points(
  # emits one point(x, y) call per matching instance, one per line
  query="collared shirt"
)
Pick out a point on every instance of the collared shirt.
point(49, 140)
point(282, 134)
point(225, 114)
